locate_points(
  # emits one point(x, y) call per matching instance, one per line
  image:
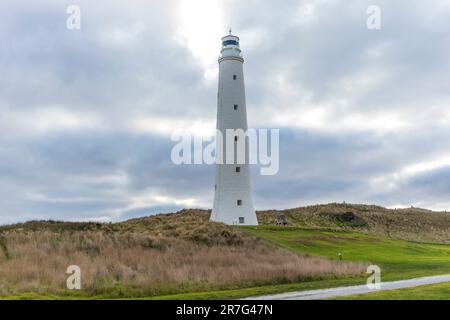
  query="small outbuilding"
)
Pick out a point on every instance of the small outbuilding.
point(282, 220)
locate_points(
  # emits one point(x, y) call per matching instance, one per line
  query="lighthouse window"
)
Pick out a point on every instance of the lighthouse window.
point(234, 77)
point(235, 107)
point(239, 202)
point(235, 138)
point(230, 42)
point(238, 169)
point(241, 220)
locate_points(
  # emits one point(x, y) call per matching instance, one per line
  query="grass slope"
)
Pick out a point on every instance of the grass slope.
point(411, 224)
point(399, 259)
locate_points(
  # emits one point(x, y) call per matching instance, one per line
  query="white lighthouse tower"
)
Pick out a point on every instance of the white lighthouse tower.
point(233, 203)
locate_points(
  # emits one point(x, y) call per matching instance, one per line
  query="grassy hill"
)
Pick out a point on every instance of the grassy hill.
point(183, 255)
point(412, 224)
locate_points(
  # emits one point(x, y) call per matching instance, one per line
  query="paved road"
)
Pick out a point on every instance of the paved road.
point(347, 291)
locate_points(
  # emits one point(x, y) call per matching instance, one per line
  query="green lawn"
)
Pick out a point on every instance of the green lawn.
point(398, 259)
point(440, 291)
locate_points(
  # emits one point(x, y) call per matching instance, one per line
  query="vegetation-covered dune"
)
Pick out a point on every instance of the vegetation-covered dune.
point(157, 255)
point(411, 224)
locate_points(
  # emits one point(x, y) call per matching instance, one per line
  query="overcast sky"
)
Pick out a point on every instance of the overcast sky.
point(86, 115)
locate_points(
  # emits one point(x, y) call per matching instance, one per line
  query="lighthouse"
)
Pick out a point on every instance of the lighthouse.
point(233, 203)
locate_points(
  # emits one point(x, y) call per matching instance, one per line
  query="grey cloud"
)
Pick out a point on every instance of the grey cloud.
point(148, 74)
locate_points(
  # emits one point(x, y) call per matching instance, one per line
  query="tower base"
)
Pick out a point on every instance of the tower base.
point(235, 219)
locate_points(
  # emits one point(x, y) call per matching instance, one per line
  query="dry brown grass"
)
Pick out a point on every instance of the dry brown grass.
point(127, 262)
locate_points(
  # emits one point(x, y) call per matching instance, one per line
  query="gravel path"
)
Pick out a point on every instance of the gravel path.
point(347, 291)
